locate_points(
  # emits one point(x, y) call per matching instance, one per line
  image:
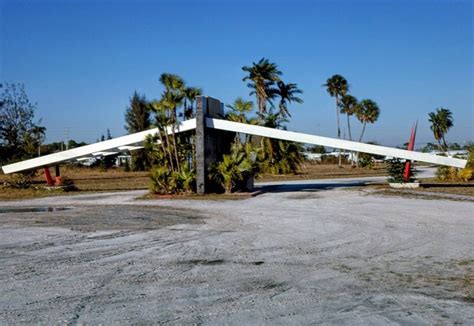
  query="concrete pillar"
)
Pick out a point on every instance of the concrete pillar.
point(201, 108)
point(210, 143)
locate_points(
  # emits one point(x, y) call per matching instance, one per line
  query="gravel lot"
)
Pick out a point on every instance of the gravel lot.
point(299, 254)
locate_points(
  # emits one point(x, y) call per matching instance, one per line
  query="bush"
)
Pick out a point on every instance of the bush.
point(235, 168)
point(163, 181)
point(67, 184)
point(447, 173)
point(19, 181)
point(366, 161)
point(396, 168)
point(185, 180)
point(466, 174)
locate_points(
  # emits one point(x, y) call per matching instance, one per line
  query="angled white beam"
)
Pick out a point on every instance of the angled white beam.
point(129, 148)
point(332, 142)
point(86, 150)
point(104, 153)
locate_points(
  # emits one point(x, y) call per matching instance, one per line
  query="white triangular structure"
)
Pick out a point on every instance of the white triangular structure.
point(333, 142)
point(135, 141)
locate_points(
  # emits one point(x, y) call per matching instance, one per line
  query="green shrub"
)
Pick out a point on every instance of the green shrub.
point(185, 179)
point(366, 161)
point(395, 170)
point(236, 167)
point(163, 181)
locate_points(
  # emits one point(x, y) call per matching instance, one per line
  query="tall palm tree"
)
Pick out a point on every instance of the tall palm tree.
point(348, 106)
point(337, 86)
point(287, 94)
point(441, 122)
point(172, 82)
point(367, 112)
point(261, 76)
point(162, 121)
point(190, 94)
point(174, 91)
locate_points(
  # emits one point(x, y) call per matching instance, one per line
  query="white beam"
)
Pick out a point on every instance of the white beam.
point(104, 153)
point(129, 148)
point(332, 142)
point(86, 150)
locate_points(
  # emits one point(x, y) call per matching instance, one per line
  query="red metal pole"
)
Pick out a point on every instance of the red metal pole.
point(411, 146)
point(47, 174)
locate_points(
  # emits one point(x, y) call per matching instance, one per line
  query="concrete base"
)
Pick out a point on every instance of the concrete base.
point(409, 185)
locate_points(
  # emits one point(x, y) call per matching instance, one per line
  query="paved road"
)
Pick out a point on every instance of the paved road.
point(325, 255)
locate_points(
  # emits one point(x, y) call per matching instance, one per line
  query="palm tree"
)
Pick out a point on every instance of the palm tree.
point(190, 94)
point(348, 106)
point(240, 108)
point(238, 113)
point(162, 121)
point(172, 82)
point(287, 94)
point(367, 112)
point(441, 122)
point(261, 76)
point(337, 86)
point(174, 91)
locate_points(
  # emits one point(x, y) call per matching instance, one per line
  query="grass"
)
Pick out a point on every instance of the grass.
point(93, 180)
point(85, 179)
point(327, 171)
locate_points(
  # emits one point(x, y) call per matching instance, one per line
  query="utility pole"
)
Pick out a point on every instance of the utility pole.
point(66, 132)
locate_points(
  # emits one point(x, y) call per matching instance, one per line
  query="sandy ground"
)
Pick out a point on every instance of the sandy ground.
point(302, 253)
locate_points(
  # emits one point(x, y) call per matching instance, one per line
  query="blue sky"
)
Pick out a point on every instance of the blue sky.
point(81, 60)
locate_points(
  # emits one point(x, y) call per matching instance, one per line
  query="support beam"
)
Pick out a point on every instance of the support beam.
point(411, 147)
point(334, 143)
point(47, 175)
point(87, 150)
point(58, 176)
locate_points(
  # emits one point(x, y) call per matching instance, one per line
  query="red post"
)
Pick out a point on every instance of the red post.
point(411, 146)
point(58, 180)
point(47, 174)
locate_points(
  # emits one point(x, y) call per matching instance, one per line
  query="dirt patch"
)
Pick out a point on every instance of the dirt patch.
point(96, 218)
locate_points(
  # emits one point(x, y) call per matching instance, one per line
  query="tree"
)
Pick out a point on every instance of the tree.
point(190, 94)
point(20, 136)
point(348, 106)
point(261, 76)
point(367, 112)
point(337, 86)
point(137, 114)
point(318, 149)
point(174, 91)
point(287, 94)
point(137, 118)
point(239, 110)
point(441, 122)
point(429, 147)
